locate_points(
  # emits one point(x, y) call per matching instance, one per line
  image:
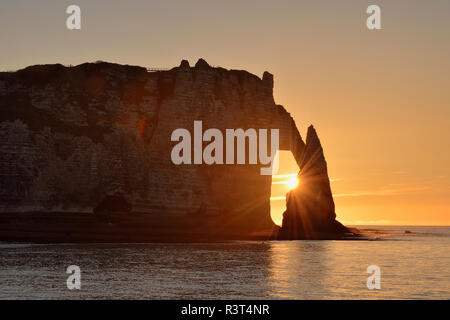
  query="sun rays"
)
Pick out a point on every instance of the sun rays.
point(291, 182)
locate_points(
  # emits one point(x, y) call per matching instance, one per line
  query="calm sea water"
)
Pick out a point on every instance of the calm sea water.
point(413, 266)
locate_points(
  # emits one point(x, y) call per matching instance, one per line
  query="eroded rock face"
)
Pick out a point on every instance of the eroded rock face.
point(310, 211)
point(71, 136)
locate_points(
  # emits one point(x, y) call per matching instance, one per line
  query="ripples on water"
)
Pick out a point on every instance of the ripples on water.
point(413, 266)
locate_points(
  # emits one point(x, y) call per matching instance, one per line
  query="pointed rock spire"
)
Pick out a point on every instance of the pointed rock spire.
point(310, 207)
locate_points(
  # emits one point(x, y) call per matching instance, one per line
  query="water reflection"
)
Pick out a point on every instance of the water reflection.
point(297, 268)
point(413, 266)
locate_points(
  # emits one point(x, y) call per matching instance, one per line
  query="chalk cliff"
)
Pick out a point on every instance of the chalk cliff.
point(71, 137)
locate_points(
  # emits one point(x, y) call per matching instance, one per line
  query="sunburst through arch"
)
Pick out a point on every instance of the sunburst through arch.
point(282, 182)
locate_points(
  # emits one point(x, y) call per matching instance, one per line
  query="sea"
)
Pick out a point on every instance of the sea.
point(400, 262)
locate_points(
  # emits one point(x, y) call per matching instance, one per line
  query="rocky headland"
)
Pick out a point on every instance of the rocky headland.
point(85, 156)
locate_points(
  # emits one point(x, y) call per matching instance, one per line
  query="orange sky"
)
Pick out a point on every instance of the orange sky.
point(380, 100)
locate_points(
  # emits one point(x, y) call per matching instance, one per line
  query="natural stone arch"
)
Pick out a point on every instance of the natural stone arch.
point(288, 170)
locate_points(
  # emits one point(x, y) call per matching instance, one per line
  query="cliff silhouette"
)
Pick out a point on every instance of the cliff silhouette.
point(310, 211)
point(74, 138)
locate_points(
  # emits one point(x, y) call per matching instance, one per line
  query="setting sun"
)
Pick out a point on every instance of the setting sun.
point(292, 183)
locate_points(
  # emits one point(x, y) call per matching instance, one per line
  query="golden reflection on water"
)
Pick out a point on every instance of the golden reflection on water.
point(413, 266)
point(295, 262)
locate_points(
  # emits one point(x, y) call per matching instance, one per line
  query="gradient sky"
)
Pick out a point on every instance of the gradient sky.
point(380, 100)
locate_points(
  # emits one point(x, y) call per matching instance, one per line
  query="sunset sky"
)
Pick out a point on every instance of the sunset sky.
point(379, 100)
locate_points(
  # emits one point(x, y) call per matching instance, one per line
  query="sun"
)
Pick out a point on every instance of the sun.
point(292, 183)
